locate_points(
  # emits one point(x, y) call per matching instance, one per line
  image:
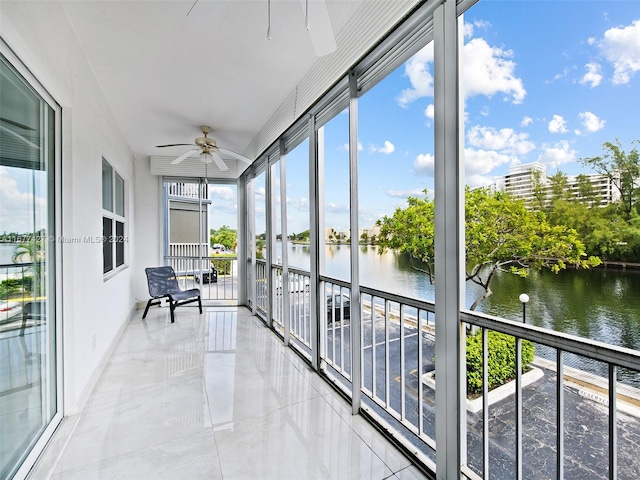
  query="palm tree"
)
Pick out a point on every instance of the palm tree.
point(32, 253)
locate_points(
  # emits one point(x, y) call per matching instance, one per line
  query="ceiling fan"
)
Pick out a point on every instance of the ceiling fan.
point(208, 150)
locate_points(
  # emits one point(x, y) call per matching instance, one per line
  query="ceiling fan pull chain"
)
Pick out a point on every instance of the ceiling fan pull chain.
point(306, 14)
point(268, 19)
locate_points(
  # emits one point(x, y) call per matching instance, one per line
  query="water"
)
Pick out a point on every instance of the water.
point(599, 304)
point(6, 253)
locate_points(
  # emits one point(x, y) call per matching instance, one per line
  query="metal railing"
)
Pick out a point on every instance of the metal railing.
point(524, 435)
point(261, 287)
point(22, 328)
point(188, 190)
point(564, 422)
point(217, 276)
point(299, 304)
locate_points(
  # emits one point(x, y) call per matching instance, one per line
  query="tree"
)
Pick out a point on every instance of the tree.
point(410, 230)
point(538, 191)
point(586, 193)
point(500, 235)
point(224, 236)
point(559, 183)
point(622, 169)
point(32, 252)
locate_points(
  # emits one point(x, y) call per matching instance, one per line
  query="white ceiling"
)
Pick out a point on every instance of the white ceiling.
point(165, 73)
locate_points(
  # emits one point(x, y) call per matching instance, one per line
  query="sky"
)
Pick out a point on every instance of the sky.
point(545, 81)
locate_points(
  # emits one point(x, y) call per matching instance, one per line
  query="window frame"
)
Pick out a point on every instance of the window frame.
point(113, 243)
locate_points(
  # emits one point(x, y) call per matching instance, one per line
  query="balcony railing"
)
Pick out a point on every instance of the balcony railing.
point(580, 394)
point(216, 276)
point(188, 190)
point(22, 327)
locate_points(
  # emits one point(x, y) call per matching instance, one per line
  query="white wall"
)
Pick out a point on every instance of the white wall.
point(148, 225)
point(94, 310)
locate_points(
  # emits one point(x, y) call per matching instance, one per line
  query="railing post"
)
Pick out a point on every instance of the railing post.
point(356, 321)
point(314, 239)
point(286, 297)
point(242, 242)
point(270, 237)
point(449, 171)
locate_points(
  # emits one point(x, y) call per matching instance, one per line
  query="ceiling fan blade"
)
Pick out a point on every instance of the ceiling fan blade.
point(183, 156)
point(177, 145)
point(319, 26)
point(235, 155)
point(219, 162)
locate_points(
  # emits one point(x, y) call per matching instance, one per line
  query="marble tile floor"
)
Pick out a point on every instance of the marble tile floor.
point(214, 396)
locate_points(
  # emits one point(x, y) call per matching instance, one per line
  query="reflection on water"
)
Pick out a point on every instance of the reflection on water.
point(600, 304)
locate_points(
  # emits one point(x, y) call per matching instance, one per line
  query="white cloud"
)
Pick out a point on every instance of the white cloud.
point(417, 69)
point(16, 206)
point(481, 162)
point(621, 46)
point(416, 192)
point(423, 164)
point(558, 125)
point(260, 192)
point(593, 77)
point(478, 181)
point(345, 147)
point(526, 121)
point(335, 208)
point(387, 149)
point(429, 112)
point(487, 71)
point(469, 28)
point(490, 70)
point(223, 193)
point(558, 76)
point(505, 140)
point(557, 154)
point(591, 122)
point(301, 204)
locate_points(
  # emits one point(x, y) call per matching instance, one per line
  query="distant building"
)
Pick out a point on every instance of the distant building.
point(521, 180)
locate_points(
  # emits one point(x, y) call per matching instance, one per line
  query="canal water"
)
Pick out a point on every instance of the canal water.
point(600, 304)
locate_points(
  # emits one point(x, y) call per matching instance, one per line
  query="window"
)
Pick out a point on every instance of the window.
point(113, 222)
point(29, 345)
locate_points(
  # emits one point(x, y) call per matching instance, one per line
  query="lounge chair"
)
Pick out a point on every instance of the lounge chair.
point(163, 283)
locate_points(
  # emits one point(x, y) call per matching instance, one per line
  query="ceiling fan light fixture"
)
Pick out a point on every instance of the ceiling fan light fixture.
point(206, 157)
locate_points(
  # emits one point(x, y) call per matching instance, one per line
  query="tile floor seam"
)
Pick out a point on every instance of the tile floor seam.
point(130, 452)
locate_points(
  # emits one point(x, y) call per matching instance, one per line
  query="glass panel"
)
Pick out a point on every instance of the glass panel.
point(107, 246)
point(298, 226)
point(333, 150)
point(107, 186)
point(277, 214)
point(119, 241)
point(28, 380)
point(395, 168)
point(260, 220)
point(119, 184)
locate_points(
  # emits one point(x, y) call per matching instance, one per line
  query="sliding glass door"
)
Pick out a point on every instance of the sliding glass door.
point(200, 237)
point(29, 400)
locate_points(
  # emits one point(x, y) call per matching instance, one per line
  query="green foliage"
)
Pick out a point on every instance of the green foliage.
point(500, 234)
point(221, 265)
point(224, 236)
point(410, 230)
point(260, 245)
point(302, 237)
point(501, 359)
point(622, 168)
point(15, 286)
